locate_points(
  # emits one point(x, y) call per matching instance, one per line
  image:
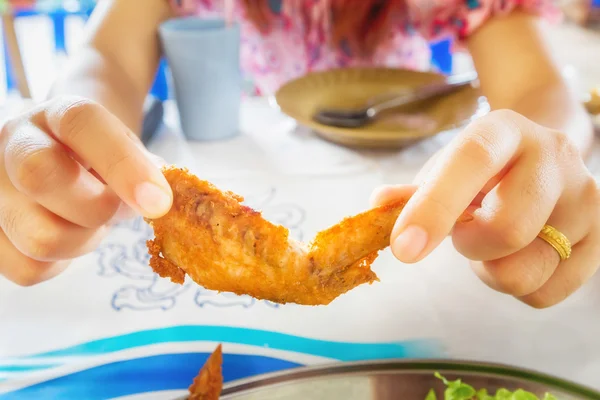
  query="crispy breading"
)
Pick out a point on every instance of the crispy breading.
point(226, 246)
point(209, 382)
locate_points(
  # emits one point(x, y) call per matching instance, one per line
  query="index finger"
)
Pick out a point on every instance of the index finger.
point(103, 142)
point(474, 157)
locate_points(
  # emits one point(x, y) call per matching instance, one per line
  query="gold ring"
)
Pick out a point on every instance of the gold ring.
point(557, 240)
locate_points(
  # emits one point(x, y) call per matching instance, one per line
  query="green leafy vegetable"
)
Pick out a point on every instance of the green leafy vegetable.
point(457, 390)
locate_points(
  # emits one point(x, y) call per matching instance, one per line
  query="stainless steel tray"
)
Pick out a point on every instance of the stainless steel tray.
point(398, 380)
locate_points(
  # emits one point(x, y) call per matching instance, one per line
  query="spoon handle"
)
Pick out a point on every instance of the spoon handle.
point(424, 92)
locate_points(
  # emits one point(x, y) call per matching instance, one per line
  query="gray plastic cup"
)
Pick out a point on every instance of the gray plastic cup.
point(204, 58)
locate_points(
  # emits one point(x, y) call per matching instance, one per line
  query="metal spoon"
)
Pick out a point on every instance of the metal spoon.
point(358, 117)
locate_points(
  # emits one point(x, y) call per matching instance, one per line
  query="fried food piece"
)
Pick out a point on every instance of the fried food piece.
point(209, 382)
point(226, 246)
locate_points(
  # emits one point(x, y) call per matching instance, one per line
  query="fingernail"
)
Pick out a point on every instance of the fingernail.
point(410, 243)
point(152, 199)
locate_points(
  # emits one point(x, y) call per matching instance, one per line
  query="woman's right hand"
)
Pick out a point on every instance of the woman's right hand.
point(68, 168)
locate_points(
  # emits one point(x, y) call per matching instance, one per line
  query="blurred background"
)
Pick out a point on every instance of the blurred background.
point(37, 36)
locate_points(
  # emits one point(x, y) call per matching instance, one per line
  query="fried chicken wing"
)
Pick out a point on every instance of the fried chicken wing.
point(226, 246)
point(209, 382)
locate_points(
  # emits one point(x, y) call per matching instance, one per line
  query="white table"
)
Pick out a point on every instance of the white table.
point(437, 308)
point(109, 320)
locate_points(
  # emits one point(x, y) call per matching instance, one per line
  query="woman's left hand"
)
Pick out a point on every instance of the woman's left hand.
point(512, 177)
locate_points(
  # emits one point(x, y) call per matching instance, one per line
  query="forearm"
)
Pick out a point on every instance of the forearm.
point(556, 107)
point(92, 75)
point(119, 59)
point(517, 71)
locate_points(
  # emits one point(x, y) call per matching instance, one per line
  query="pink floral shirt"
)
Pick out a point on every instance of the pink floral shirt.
point(298, 44)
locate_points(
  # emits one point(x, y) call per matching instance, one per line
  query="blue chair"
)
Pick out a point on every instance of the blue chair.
point(11, 82)
point(56, 10)
point(441, 55)
point(160, 89)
